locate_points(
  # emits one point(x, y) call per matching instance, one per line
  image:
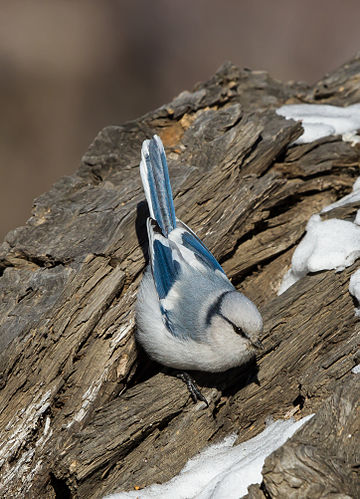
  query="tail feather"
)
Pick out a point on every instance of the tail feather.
point(155, 178)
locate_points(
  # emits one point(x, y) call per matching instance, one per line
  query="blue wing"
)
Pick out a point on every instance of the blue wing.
point(187, 238)
point(165, 268)
point(165, 261)
point(179, 264)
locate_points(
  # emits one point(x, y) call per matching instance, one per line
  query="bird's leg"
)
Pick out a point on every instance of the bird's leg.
point(193, 389)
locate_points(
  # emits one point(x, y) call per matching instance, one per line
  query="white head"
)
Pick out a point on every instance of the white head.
point(240, 313)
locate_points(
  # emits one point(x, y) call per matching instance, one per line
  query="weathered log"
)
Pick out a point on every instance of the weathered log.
point(328, 444)
point(83, 412)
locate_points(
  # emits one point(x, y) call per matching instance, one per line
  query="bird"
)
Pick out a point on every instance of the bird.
point(189, 316)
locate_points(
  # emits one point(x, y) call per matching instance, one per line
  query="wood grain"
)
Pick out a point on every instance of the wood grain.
point(83, 412)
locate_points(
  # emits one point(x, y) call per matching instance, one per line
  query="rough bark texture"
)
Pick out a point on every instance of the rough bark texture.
point(83, 412)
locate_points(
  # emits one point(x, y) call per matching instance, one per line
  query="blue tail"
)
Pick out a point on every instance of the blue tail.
point(155, 178)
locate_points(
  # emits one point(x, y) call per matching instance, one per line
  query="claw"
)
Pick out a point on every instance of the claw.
point(193, 389)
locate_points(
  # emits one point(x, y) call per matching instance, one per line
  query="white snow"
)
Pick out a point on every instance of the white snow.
point(354, 286)
point(320, 120)
point(354, 289)
point(222, 471)
point(328, 244)
point(353, 197)
point(356, 369)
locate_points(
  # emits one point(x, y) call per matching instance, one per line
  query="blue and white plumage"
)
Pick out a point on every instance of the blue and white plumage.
point(189, 316)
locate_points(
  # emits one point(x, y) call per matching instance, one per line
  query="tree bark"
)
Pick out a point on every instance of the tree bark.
point(83, 411)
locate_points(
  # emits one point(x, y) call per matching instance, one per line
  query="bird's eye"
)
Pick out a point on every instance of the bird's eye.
point(239, 331)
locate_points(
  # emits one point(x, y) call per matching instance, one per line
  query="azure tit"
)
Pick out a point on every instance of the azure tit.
point(189, 316)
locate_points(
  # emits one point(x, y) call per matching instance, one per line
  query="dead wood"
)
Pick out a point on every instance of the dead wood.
point(83, 412)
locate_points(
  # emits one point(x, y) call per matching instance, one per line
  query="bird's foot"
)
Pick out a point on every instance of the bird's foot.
point(191, 386)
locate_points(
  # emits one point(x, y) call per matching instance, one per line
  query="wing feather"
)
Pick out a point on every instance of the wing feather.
point(165, 268)
point(186, 238)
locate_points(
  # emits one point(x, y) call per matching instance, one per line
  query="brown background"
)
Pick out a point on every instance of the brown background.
point(68, 68)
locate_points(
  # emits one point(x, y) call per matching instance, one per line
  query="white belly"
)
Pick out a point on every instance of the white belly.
point(223, 349)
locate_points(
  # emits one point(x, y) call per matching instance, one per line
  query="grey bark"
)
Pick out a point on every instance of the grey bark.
point(83, 412)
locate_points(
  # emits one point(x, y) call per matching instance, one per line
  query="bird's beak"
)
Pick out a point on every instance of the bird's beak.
point(258, 344)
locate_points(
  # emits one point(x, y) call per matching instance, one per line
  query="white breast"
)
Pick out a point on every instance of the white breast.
point(223, 349)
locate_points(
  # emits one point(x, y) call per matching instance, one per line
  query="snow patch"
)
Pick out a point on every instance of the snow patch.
point(356, 369)
point(354, 289)
point(329, 244)
point(320, 120)
point(353, 197)
point(222, 471)
point(354, 286)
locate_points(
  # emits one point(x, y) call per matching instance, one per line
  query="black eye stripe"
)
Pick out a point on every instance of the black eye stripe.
point(237, 329)
point(214, 309)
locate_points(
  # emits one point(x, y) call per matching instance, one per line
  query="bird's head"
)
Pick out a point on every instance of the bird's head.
point(242, 315)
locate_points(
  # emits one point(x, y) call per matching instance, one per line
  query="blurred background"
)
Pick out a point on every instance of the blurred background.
point(68, 68)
